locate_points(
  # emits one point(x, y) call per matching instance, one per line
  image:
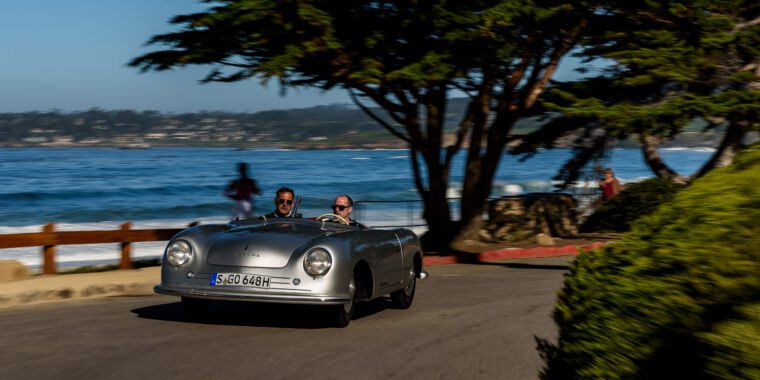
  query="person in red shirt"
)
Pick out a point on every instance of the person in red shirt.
point(242, 191)
point(610, 185)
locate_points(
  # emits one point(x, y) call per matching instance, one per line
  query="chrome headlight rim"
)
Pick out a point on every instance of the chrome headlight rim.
point(179, 253)
point(317, 262)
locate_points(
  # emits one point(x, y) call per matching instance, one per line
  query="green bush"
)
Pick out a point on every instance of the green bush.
point(636, 200)
point(678, 297)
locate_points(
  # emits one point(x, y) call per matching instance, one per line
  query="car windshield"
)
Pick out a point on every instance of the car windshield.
point(310, 222)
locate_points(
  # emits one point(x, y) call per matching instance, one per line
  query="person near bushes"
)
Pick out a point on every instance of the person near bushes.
point(610, 185)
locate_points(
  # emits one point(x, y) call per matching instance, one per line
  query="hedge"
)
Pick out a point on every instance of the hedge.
point(636, 200)
point(678, 297)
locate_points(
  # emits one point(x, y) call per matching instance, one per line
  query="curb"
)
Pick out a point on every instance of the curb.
point(509, 253)
point(138, 282)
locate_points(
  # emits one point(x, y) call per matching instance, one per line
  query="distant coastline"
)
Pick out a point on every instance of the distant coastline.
point(323, 127)
point(684, 140)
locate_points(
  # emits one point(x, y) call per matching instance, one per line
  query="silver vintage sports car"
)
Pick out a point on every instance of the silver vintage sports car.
point(291, 260)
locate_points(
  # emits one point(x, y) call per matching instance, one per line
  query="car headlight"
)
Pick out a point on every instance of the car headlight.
point(179, 253)
point(317, 262)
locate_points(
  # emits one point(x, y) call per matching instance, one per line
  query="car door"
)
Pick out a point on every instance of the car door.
point(383, 250)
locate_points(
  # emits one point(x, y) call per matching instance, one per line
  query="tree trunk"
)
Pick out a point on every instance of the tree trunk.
point(438, 217)
point(727, 150)
point(654, 161)
point(437, 213)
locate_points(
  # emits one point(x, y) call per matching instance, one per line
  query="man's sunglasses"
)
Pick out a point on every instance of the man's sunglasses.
point(283, 201)
point(340, 207)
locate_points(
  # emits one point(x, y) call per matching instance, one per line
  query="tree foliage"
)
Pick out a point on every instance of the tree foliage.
point(404, 56)
point(677, 297)
point(636, 200)
point(668, 63)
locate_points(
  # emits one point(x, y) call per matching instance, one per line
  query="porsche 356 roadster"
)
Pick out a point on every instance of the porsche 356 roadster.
point(291, 260)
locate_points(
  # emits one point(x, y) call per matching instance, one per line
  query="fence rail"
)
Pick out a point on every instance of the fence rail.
point(49, 238)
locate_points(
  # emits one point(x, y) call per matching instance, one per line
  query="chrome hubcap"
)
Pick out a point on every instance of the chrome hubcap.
point(410, 284)
point(351, 291)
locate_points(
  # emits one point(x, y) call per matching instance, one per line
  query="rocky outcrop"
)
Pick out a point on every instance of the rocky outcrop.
point(526, 216)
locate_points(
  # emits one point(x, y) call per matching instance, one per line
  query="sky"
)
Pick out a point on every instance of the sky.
point(71, 55)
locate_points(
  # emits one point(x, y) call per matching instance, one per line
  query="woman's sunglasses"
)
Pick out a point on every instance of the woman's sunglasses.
point(340, 207)
point(283, 201)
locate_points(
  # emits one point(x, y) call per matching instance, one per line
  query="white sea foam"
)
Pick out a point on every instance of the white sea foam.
point(360, 158)
point(453, 192)
point(690, 149)
point(512, 189)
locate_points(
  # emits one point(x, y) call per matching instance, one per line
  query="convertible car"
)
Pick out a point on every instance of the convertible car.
point(290, 260)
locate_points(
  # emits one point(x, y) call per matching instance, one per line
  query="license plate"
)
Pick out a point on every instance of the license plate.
point(240, 279)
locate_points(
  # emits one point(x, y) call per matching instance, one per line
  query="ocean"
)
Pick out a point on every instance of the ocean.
point(100, 188)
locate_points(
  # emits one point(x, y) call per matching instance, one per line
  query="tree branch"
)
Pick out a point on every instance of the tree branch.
point(743, 25)
point(548, 72)
point(418, 174)
point(382, 101)
point(232, 64)
point(380, 121)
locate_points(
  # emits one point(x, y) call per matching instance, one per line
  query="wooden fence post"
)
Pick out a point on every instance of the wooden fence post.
point(48, 253)
point(126, 249)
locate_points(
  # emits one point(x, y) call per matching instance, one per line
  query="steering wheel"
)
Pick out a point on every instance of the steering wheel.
point(332, 217)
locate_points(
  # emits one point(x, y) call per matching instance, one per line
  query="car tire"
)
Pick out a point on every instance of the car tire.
point(345, 312)
point(402, 298)
point(195, 308)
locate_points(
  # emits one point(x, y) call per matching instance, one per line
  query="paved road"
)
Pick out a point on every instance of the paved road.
point(467, 321)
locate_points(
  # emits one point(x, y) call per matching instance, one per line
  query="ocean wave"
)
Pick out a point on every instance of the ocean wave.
point(117, 213)
point(706, 149)
point(101, 193)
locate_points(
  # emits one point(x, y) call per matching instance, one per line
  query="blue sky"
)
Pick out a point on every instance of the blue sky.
point(71, 55)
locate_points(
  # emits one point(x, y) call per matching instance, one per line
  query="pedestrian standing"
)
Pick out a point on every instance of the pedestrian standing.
point(242, 191)
point(609, 185)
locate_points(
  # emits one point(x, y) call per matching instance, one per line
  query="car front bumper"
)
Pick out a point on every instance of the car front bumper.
point(226, 294)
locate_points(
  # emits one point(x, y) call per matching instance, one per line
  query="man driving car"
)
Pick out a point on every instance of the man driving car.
point(342, 207)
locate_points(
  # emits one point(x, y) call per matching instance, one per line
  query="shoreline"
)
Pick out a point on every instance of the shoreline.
point(298, 147)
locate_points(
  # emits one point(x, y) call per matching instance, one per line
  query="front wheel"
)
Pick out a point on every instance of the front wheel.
point(403, 298)
point(345, 312)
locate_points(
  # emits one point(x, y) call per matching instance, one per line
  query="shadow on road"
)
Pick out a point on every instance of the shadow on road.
point(470, 258)
point(262, 314)
point(526, 266)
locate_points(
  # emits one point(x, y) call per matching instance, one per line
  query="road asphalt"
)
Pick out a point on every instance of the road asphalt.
point(468, 321)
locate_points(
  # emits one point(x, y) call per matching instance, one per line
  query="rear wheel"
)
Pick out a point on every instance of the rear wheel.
point(195, 308)
point(345, 312)
point(403, 298)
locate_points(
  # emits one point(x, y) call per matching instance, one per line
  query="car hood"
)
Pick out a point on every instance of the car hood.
point(264, 246)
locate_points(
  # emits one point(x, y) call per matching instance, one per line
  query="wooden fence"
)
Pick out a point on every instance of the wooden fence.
point(49, 238)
